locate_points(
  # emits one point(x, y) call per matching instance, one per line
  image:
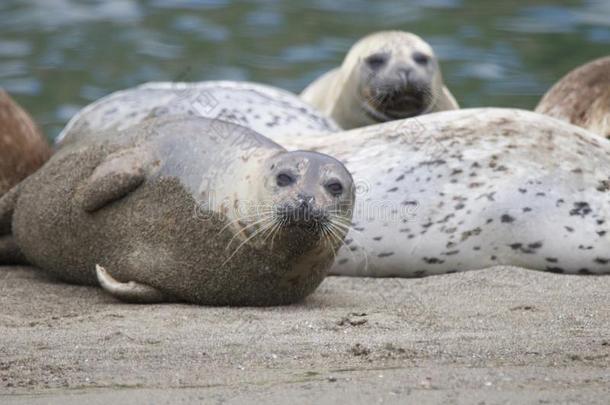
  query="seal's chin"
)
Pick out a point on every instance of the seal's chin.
point(383, 105)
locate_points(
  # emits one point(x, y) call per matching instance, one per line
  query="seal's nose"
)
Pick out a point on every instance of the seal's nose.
point(302, 211)
point(305, 201)
point(404, 73)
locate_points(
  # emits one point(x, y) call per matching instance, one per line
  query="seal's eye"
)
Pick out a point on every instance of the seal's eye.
point(335, 188)
point(376, 61)
point(284, 179)
point(420, 58)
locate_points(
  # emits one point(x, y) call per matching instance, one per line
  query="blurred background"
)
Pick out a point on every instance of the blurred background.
point(59, 55)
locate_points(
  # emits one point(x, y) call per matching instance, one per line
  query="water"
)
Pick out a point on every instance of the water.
point(59, 55)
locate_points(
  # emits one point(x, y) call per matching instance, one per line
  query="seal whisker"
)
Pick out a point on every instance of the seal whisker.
point(256, 233)
point(235, 221)
point(255, 223)
point(357, 241)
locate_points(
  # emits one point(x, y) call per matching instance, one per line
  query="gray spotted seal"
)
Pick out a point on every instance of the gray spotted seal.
point(183, 208)
point(23, 149)
point(264, 109)
point(469, 189)
point(385, 76)
point(582, 97)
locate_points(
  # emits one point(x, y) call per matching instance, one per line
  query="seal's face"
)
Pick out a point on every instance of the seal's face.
point(397, 79)
point(310, 192)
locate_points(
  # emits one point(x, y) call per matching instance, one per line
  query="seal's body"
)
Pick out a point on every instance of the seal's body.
point(582, 97)
point(183, 208)
point(266, 110)
point(385, 76)
point(23, 149)
point(470, 189)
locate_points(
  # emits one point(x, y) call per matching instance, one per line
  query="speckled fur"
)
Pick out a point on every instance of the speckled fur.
point(167, 233)
point(582, 97)
point(264, 109)
point(477, 188)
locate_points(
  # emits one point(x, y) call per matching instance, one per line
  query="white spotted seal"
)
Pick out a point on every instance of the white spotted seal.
point(582, 97)
point(23, 149)
point(385, 76)
point(183, 208)
point(469, 189)
point(264, 109)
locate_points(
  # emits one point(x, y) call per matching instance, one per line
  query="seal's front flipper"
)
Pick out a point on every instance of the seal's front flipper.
point(10, 252)
point(117, 176)
point(7, 207)
point(129, 292)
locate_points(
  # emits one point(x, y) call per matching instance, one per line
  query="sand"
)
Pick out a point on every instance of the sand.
point(502, 335)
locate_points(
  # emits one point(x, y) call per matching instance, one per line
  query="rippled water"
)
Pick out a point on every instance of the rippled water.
point(58, 55)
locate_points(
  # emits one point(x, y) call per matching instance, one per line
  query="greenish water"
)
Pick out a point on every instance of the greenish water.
point(59, 55)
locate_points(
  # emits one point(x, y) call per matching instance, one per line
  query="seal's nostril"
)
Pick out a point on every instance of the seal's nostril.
point(404, 73)
point(305, 200)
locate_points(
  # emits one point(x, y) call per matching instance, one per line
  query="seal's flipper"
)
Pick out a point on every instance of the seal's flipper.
point(113, 179)
point(7, 206)
point(131, 291)
point(10, 252)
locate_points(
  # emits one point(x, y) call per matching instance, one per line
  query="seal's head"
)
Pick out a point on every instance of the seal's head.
point(309, 193)
point(396, 75)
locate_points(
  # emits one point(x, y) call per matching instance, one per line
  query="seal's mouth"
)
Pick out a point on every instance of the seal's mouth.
point(302, 216)
point(383, 104)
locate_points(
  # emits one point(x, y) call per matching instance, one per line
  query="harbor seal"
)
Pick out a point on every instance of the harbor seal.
point(470, 189)
point(582, 97)
point(264, 109)
point(183, 208)
point(385, 76)
point(23, 149)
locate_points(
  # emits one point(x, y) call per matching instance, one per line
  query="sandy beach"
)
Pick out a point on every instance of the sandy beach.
point(502, 335)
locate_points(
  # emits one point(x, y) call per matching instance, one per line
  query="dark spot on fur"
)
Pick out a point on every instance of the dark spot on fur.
point(507, 218)
point(535, 245)
point(401, 177)
point(419, 273)
point(526, 209)
point(601, 260)
point(393, 189)
point(558, 270)
point(451, 253)
point(581, 209)
point(601, 233)
point(604, 185)
point(385, 254)
point(343, 261)
point(584, 271)
point(569, 228)
point(472, 232)
point(378, 238)
point(493, 258)
point(551, 259)
point(476, 248)
point(433, 260)
point(522, 190)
